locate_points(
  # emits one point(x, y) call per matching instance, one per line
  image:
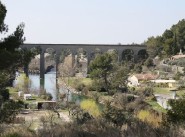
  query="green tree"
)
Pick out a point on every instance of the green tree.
point(177, 111)
point(23, 83)
point(169, 43)
point(26, 56)
point(3, 11)
point(177, 76)
point(114, 55)
point(91, 107)
point(119, 78)
point(138, 68)
point(179, 35)
point(9, 110)
point(128, 55)
point(142, 55)
point(168, 40)
point(154, 46)
point(148, 62)
point(10, 60)
point(101, 67)
point(114, 115)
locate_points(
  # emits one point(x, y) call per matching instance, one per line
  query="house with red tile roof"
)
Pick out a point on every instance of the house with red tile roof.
point(136, 79)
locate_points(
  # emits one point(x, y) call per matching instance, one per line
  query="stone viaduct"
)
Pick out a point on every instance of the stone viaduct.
point(89, 48)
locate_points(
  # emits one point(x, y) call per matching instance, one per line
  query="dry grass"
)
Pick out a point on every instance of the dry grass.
point(150, 118)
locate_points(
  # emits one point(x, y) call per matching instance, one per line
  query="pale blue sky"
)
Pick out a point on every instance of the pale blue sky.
point(93, 21)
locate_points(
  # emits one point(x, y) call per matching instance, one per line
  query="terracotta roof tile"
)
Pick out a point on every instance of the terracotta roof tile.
point(146, 76)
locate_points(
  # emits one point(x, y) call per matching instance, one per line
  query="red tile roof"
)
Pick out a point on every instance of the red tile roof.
point(146, 76)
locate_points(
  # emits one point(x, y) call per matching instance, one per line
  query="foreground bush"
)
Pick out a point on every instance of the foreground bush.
point(97, 128)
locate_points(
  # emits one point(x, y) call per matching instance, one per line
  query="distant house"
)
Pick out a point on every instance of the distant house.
point(136, 79)
point(27, 96)
point(175, 57)
point(178, 56)
point(170, 83)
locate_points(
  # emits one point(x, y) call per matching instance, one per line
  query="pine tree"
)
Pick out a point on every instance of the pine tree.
point(10, 59)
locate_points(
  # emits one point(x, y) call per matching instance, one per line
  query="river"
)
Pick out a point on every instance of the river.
point(50, 86)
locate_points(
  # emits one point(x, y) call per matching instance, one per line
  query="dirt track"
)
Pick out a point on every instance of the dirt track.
point(37, 115)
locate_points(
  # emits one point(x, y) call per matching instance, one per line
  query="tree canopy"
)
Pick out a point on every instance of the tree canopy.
point(176, 113)
point(10, 59)
point(169, 43)
point(3, 11)
point(101, 67)
point(109, 74)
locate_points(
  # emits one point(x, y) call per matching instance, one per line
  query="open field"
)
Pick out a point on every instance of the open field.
point(159, 90)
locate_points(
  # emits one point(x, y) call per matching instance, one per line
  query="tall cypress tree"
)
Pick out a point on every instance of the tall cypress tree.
point(175, 48)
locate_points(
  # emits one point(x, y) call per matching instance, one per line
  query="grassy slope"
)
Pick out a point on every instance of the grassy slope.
point(155, 106)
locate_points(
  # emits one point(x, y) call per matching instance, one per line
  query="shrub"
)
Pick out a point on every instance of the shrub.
point(148, 62)
point(85, 91)
point(91, 107)
point(148, 92)
point(149, 117)
point(130, 98)
point(177, 111)
point(79, 86)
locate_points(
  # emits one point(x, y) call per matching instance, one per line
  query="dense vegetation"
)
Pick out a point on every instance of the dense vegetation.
point(122, 112)
point(169, 43)
point(10, 59)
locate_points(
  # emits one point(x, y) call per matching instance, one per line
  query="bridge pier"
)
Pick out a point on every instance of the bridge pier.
point(57, 58)
point(42, 65)
point(135, 55)
point(26, 70)
point(42, 71)
point(119, 55)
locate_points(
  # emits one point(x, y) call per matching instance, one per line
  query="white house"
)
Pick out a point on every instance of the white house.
point(27, 96)
point(133, 81)
point(136, 79)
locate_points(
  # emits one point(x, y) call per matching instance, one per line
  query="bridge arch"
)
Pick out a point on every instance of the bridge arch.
point(34, 65)
point(142, 54)
point(88, 47)
point(128, 55)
